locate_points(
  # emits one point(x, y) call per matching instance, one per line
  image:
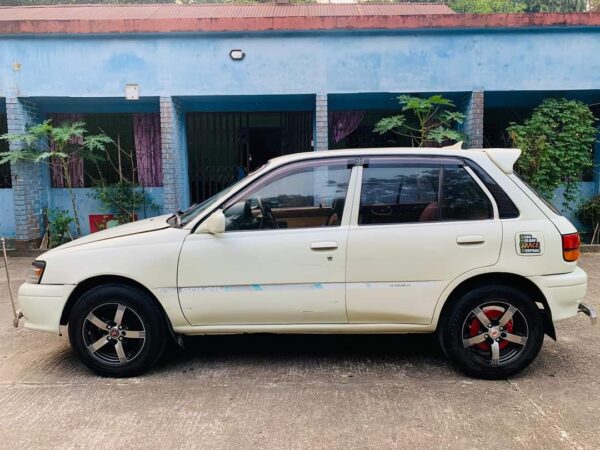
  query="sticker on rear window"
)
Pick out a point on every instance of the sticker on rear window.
point(530, 243)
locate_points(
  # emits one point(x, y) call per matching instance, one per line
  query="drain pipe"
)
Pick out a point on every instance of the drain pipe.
point(16, 314)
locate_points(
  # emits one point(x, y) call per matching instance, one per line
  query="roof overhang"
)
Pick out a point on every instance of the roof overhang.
point(297, 22)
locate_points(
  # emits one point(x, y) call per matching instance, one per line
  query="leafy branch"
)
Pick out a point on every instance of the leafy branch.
point(556, 142)
point(425, 120)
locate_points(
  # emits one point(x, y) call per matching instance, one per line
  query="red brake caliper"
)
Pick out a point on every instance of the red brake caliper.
point(476, 328)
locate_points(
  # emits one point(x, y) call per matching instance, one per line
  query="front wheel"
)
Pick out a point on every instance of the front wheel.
point(117, 330)
point(492, 332)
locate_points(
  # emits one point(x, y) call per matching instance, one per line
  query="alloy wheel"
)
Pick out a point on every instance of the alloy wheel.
point(114, 334)
point(495, 333)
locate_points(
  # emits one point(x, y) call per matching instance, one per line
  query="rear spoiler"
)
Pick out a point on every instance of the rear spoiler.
point(504, 158)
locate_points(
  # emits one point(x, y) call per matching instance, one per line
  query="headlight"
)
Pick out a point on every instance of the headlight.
point(35, 272)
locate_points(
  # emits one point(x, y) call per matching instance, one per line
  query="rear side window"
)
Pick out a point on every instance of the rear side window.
point(462, 198)
point(407, 192)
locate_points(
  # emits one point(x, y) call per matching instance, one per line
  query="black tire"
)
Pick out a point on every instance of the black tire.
point(107, 349)
point(489, 350)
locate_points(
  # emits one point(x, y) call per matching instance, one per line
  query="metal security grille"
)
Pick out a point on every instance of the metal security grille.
point(217, 150)
point(221, 149)
point(296, 132)
point(5, 179)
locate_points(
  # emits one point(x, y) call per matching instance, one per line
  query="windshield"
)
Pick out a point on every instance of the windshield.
point(195, 210)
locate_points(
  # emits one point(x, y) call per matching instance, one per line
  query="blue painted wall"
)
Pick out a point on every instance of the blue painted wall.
point(302, 63)
point(59, 198)
point(586, 191)
point(7, 217)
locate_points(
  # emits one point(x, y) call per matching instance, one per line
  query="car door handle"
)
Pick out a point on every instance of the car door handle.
point(472, 239)
point(324, 245)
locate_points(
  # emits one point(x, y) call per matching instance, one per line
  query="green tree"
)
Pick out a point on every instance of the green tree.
point(557, 146)
point(564, 6)
point(56, 146)
point(424, 120)
point(487, 6)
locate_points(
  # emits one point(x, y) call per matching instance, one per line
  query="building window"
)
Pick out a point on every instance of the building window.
point(135, 155)
point(120, 159)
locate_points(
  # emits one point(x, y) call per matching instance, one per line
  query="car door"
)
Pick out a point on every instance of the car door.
point(418, 223)
point(282, 257)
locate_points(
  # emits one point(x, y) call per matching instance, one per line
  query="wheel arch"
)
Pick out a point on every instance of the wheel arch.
point(508, 279)
point(96, 281)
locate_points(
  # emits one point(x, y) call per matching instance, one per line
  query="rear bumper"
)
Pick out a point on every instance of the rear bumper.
point(43, 304)
point(564, 292)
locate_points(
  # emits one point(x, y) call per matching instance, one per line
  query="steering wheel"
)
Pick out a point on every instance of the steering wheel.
point(266, 214)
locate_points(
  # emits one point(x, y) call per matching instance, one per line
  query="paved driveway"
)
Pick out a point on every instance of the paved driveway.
point(299, 392)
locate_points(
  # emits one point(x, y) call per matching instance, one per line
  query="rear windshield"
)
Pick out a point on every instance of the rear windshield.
point(544, 200)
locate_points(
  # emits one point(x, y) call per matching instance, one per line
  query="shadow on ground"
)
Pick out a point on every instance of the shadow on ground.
point(306, 348)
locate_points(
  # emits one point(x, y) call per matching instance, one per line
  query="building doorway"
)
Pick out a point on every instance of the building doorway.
point(223, 147)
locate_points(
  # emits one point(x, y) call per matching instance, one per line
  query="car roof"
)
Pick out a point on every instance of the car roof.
point(502, 157)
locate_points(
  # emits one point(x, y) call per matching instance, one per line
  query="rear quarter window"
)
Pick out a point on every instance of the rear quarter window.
point(506, 207)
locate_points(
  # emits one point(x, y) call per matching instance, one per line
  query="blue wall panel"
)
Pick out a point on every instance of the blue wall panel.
point(7, 217)
point(302, 63)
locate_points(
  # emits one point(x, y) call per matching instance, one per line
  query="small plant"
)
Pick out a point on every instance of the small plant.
point(59, 221)
point(425, 120)
point(557, 146)
point(123, 199)
point(588, 213)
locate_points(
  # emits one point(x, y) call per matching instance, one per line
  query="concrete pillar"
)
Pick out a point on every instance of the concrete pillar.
point(321, 123)
point(28, 180)
point(473, 124)
point(174, 155)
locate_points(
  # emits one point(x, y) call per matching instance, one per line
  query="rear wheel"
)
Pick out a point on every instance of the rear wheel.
point(492, 332)
point(117, 330)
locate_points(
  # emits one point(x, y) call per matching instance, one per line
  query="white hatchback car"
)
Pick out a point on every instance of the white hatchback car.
point(354, 241)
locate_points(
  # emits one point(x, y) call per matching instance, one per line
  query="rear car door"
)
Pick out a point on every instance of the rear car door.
point(417, 224)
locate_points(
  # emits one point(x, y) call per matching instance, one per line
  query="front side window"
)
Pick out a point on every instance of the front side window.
point(412, 192)
point(303, 195)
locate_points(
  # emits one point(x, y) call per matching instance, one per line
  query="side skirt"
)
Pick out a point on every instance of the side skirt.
point(360, 328)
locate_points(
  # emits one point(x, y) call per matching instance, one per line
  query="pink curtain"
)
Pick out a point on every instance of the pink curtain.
point(342, 123)
point(75, 163)
point(146, 132)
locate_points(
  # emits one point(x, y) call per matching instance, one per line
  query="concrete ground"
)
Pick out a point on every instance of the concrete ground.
point(299, 392)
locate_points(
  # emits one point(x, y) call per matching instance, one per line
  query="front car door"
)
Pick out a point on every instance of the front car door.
point(418, 223)
point(282, 257)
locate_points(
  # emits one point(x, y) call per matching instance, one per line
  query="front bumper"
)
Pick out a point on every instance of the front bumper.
point(43, 304)
point(564, 292)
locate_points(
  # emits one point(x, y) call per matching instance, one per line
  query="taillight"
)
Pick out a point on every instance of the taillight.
point(570, 245)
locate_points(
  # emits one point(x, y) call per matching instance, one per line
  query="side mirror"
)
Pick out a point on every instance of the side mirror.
point(214, 224)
